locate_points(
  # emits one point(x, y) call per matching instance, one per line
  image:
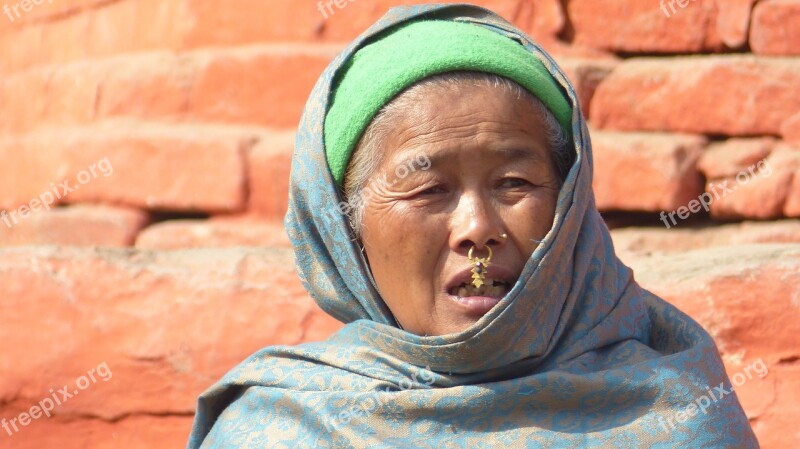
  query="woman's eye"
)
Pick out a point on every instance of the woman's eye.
point(432, 190)
point(514, 182)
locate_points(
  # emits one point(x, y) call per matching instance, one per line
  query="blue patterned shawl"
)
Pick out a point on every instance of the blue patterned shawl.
point(576, 355)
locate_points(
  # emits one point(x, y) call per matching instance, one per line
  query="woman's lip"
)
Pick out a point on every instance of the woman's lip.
point(497, 272)
point(476, 305)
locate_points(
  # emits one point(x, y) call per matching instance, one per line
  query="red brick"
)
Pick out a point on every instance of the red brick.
point(94, 29)
point(79, 225)
point(135, 25)
point(728, 158)
point(746, 297)
point(260, 87)
point(645, 172)
point(268, 169)
point(542, 19)
point(60, 41)
point(215, 233)
point(636, 242)
point(776, 28)
point(135, 431)
point(24, 101)
point(586, 74)
point(264, 85)
point(72, 96)
point(792, 206)
point(727, 95)
point(644, 27)
point(637, 26)
point(150, 86)
point(733, 21)
point(762, 194)
point(204, 312)
point(161, 167)
point(790, 129)
point(20, 46)
point(214, 22)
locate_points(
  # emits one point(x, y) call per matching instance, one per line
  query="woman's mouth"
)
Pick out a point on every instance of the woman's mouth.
point(479, 300)
point(491, 288)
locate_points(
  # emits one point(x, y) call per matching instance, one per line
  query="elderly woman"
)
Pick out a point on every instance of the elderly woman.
point(441, 206)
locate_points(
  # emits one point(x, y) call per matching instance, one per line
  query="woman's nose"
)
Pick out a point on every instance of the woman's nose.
point(474, 222)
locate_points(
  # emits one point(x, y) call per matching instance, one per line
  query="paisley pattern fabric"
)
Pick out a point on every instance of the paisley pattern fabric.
point(576, 355)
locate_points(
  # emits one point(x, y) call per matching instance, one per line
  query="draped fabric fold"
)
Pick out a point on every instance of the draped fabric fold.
point(577, 353)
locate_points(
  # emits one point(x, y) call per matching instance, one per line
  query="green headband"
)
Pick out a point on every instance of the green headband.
point(387, 66)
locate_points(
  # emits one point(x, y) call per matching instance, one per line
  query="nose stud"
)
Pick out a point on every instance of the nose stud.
point(479, 270)
point(504, 236)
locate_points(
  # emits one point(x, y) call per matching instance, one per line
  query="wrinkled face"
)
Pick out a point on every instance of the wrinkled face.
point(491, 172)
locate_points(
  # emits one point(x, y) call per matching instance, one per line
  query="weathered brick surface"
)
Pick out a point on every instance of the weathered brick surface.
point(78, 225)
point(215, 233)
point(635, 242)
point(268, 164)
point(720, 95)
point(150, 166)
point(662, 27)
point(64, 32)
point(746, 297)
point(269, 88)
point(167, 325)
point(790, 129)
point(761, 190)
point(792, 206)
point(263, 85)
point(586, 74)
point(138, 431)
point(645, 171)
point(728, 158)
point(776, 28)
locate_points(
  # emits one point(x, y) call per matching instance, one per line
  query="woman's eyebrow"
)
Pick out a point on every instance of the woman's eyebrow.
point(517, 153)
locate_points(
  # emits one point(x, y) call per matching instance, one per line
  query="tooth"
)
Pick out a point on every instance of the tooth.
point(462, 291)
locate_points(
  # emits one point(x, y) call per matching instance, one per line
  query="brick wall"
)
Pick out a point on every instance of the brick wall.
point(146, 147)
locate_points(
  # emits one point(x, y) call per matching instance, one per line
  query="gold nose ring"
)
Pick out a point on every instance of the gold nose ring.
point(479, 270)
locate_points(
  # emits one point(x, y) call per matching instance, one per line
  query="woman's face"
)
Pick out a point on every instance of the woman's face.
point(491, 172)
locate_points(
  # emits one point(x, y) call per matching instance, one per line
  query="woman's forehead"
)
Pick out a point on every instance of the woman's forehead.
point(444, 125)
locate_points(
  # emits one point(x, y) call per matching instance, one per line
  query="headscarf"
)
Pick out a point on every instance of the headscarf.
point(576, 355)
point(403, 56)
